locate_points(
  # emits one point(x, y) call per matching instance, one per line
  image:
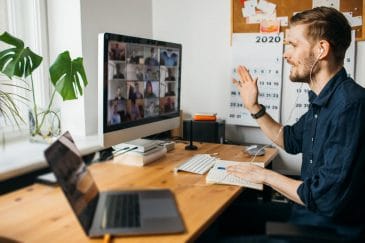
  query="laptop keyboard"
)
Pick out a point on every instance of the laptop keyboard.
point(123, 211)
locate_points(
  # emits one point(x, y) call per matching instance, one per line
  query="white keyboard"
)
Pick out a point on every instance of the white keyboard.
point(198, 164)
point(219, 175)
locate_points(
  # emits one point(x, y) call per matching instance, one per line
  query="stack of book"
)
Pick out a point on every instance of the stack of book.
point(139, 152)
point(202, 116)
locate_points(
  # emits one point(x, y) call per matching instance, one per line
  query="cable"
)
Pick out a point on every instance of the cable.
point(281, 128)
point(314, 64)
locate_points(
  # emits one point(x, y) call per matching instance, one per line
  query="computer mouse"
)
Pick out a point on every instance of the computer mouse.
point(255, 150)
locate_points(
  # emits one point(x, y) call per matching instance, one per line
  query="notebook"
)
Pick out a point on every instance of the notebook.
point(218, 175)
point(129, 212)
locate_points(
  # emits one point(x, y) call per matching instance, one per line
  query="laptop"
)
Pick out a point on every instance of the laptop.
point(129, 212)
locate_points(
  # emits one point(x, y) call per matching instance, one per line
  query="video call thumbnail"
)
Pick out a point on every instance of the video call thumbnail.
point(142, 81)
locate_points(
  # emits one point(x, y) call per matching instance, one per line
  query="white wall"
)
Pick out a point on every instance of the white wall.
point(128, 17)
point(203, 27)
point(74, 25)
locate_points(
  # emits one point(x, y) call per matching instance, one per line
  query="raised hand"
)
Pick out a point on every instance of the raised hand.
point(247, 86)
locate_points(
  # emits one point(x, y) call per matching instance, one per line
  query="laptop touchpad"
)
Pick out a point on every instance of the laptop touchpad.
point(158, 208)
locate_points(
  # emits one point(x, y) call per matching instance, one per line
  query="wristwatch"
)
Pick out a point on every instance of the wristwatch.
point(260, 113)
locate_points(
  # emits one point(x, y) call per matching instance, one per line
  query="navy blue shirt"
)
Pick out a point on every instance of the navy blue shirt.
point(331, 138)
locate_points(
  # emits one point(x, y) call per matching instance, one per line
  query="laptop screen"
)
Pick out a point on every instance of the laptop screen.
point(74, 178)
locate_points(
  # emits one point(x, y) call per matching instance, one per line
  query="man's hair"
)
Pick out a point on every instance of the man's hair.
point(328, 24)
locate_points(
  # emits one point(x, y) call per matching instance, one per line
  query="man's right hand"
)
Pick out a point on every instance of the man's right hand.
point(247, 86)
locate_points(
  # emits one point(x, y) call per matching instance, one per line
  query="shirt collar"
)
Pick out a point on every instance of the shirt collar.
point(329, 88)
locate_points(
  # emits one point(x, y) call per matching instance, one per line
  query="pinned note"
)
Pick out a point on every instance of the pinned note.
point(356, 21)
point(326, 3)
point(283, 20)
point(270, 26)
point(266, 6)
point(248, 10)
point(348, 16)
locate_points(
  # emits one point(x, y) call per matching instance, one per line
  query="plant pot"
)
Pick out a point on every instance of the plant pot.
point(46, 128)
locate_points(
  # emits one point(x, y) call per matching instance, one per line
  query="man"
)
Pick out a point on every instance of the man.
point(330, 136)
point(152, 59)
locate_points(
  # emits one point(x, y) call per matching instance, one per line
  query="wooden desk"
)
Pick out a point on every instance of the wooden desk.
point(41, 213)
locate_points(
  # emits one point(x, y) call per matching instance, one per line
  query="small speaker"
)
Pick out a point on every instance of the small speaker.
point(205, 131)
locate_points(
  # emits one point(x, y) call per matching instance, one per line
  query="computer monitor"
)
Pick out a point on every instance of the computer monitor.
point(138, 87)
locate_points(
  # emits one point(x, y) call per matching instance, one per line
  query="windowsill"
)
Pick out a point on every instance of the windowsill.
point(23, 156)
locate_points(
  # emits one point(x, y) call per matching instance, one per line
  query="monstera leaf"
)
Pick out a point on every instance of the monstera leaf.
point(17, 61)
point(68, 76)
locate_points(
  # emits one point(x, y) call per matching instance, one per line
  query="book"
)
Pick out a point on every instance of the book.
point(136, 158)
point(205, 116)
point(139, 145)
point(218, 175)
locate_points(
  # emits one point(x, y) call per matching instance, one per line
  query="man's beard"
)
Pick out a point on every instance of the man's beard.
point(308, 68)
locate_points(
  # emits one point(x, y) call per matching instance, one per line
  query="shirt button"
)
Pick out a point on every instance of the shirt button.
point(315, 116)
point(312, 139)
point(310, 161)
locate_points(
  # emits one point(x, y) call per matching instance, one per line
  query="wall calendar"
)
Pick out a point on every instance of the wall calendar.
point(262, 56)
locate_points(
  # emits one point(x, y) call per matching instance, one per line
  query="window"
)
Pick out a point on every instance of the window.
point(27, 21)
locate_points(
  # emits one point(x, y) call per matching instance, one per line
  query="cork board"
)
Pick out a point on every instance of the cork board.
point(287, 8)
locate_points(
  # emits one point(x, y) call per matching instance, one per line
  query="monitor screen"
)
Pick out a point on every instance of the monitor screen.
point(139, 87)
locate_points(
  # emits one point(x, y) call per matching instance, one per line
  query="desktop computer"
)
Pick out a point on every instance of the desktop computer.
point(138, 87)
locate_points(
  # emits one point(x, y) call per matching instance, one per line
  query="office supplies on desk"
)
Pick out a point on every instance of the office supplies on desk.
point(130, 212)
point(218, 175)
point(191, 146)
point(143, 145)
point(106, 238)
point(198, 164)
point(255, 150)
point(205, 131)
point(205, 116)
point(140, 159)
point(169, 145)
point(123, 151)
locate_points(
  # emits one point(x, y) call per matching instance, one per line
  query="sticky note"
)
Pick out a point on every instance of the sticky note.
point(248, 11)
point(266, 6)
point(356, 21)
point(283, 20)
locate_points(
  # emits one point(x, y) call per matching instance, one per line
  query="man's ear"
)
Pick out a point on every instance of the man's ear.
point(324, 48)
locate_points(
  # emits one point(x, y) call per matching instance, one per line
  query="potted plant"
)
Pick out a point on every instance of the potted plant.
point(66, 75)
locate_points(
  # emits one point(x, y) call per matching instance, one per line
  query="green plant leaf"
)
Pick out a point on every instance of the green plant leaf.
point(68, 76)
point(17, 61)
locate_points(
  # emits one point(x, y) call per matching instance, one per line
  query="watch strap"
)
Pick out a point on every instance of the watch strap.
point(260, 113)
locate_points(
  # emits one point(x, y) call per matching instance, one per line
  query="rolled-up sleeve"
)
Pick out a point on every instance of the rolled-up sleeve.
point(293, 137)
point(325, 191)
